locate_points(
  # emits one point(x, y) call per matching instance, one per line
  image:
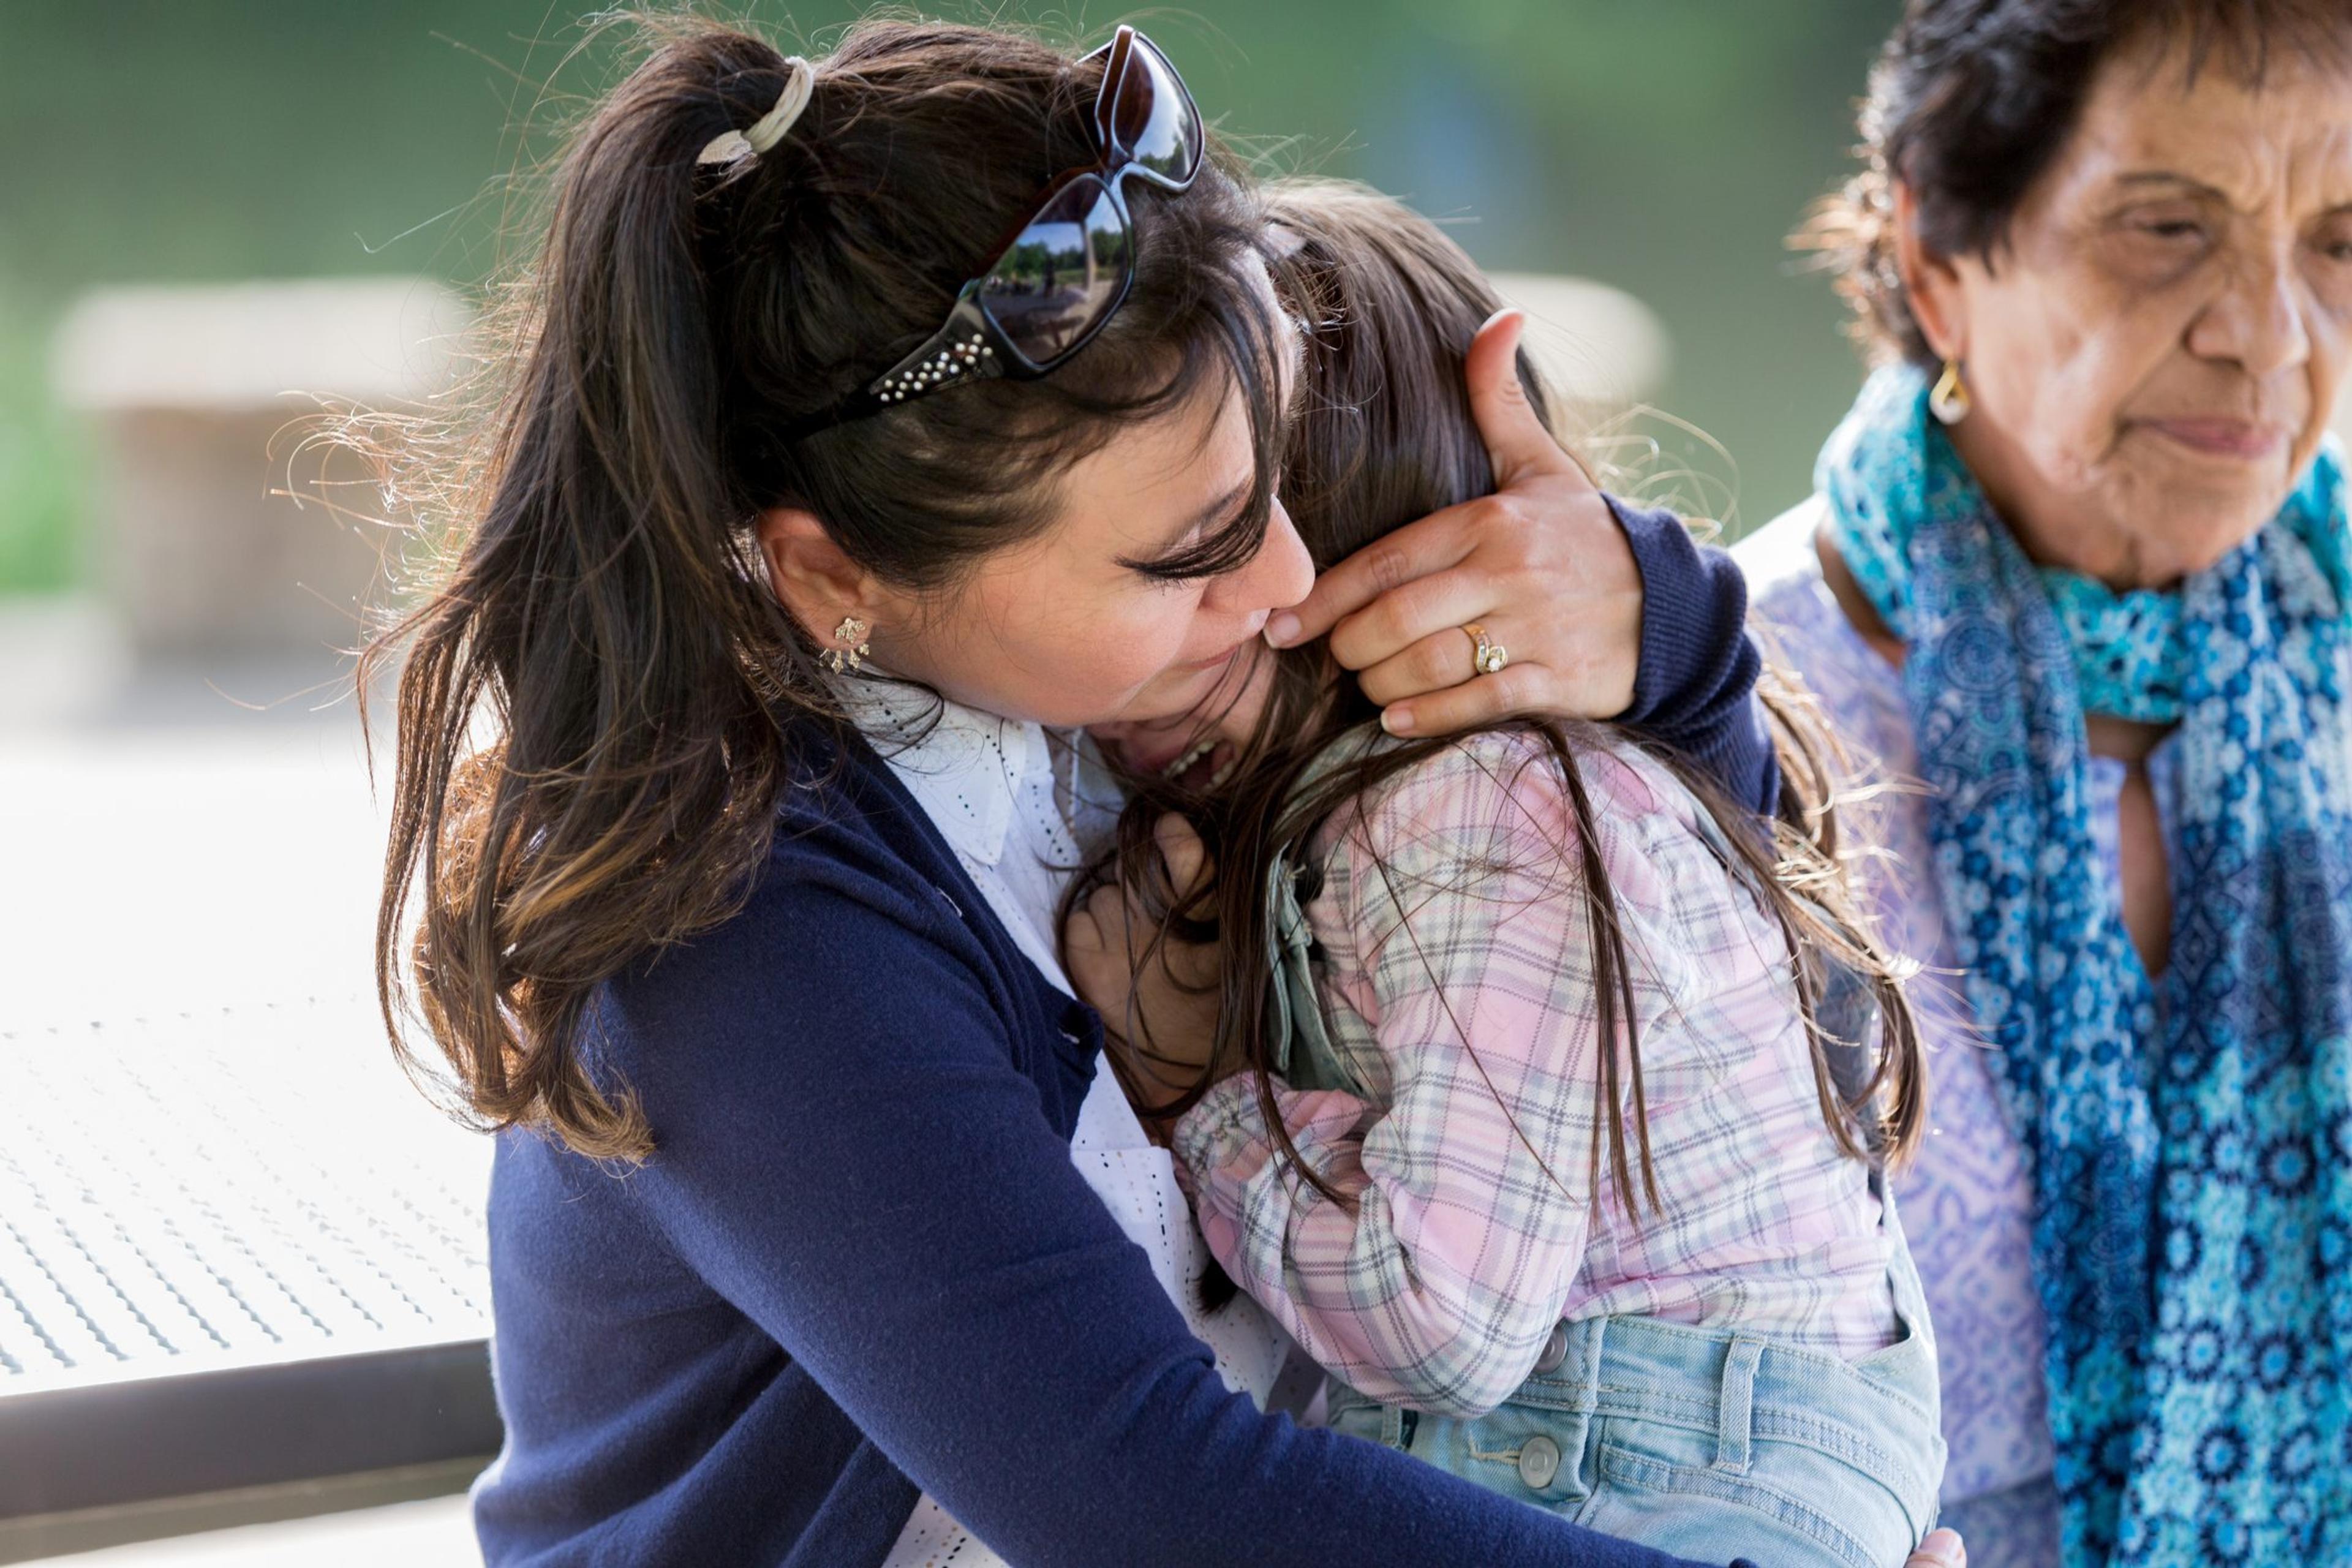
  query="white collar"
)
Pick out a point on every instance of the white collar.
point(964, 770)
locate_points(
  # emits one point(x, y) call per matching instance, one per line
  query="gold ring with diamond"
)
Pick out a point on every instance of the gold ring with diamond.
point(1486, 657)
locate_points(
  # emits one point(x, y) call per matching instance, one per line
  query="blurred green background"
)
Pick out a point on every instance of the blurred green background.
point(1664, 146)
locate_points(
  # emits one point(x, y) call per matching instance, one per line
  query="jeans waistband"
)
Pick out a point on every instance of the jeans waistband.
point(1882, 1413)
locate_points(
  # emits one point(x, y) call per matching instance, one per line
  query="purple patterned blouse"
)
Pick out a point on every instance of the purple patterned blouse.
point(1968, 1204)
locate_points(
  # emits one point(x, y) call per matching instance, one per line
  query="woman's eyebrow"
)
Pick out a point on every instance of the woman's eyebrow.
point(2198, 189)
point(2166, 177)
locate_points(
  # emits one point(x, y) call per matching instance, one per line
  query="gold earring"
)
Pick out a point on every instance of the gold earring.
point(1950, 402)
point(851, 654)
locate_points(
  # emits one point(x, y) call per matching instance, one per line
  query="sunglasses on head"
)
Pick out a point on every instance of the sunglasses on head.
point(1066, 270)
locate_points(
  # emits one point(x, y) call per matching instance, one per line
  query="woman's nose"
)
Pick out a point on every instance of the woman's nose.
point(2258, 323)
point(1278, 577)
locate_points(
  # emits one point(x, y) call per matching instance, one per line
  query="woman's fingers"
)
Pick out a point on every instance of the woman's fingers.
point(1413, 551)
point(1441, 601)
point(1515, 689)
point(1432, 663)
point(1942, 1549)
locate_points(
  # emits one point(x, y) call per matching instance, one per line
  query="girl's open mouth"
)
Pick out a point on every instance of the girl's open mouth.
point(1204, 765)
point(1194, 761)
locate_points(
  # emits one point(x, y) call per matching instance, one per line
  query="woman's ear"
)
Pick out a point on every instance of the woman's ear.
point(809, 575)
point(1930, 282)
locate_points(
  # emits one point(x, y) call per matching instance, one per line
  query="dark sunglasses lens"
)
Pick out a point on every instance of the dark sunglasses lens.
point(1064, 275)
point(1152, 120)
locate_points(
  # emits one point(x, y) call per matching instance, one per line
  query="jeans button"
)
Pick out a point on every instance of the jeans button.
point(1539, 1462)
point(1555, 1350)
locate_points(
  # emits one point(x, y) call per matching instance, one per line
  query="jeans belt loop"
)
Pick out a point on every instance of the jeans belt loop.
point(1736, 1404)
point(1587, 1348)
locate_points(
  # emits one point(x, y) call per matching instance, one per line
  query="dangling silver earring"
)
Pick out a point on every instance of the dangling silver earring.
point(1950, 402)
point(851, 654)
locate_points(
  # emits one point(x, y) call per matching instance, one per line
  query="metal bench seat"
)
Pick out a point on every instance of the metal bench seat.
point(236, 1250)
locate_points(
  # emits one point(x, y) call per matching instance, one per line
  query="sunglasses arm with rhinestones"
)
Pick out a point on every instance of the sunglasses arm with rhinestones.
point(967, 347)
point(964, 350)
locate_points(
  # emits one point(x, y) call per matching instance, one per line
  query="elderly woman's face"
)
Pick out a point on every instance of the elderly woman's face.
point(2154, 358)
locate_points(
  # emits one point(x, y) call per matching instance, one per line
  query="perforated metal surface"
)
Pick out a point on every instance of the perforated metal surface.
point(190, 1193)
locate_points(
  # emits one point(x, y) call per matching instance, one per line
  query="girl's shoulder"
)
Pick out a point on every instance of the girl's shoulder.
point(1503, 790)
point(1483, 833)
point(1501, 771)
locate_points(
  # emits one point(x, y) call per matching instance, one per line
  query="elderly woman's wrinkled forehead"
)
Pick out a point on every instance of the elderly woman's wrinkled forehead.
point(2167, 118)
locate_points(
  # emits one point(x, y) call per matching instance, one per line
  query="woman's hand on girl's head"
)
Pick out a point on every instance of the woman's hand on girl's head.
point(1540, 565)
point(1158, 995)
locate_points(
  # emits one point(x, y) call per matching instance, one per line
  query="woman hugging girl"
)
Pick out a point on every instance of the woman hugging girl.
point(863, 425)
point(1543, 1094)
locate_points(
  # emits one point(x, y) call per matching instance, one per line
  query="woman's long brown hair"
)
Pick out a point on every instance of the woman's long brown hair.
point(1384, 433)
point(600, 699)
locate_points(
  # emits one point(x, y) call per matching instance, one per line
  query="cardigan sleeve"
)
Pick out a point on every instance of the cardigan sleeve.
point(850, 1153)
point(1694, 691)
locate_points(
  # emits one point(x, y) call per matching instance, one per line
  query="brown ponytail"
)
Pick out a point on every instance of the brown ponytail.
point(599, 697)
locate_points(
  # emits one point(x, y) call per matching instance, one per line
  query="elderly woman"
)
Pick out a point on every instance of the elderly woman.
point(2078, 561)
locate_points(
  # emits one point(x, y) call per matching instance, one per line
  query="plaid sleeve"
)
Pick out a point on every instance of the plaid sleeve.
point(1470, 1196)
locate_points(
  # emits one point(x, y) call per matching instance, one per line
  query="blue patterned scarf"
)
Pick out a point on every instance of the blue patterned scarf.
point(2191, 1138)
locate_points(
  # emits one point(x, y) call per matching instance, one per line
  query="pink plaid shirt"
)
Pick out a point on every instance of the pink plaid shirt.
point(1437, 1283)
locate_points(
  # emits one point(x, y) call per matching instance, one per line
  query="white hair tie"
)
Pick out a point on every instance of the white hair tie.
point(800, 81)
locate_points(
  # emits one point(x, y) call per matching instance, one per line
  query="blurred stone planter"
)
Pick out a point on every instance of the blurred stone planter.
point(200, 398)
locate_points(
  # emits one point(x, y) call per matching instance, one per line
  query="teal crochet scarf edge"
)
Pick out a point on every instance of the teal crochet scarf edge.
point(2129, 651)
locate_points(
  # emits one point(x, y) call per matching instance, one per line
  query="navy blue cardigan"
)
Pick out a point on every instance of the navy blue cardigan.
point(861, 1262)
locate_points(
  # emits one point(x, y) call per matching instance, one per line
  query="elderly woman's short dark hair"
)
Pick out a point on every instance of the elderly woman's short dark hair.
point(1972, 100)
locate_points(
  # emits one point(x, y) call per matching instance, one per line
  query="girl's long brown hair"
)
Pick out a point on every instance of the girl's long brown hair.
point(601, 698)
point(1383, 435)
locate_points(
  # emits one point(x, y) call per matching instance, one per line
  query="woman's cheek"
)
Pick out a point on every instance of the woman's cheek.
point(2074, 422)
point(1139, 641)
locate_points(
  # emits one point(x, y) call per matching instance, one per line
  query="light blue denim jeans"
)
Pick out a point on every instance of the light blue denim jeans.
point(1709, 1444)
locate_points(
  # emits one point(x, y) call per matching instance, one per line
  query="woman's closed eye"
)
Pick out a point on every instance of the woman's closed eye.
point(2158, 242)
point(2334, 239)
point(2173, 224)
point(1179, 567)
point(1225, 537)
